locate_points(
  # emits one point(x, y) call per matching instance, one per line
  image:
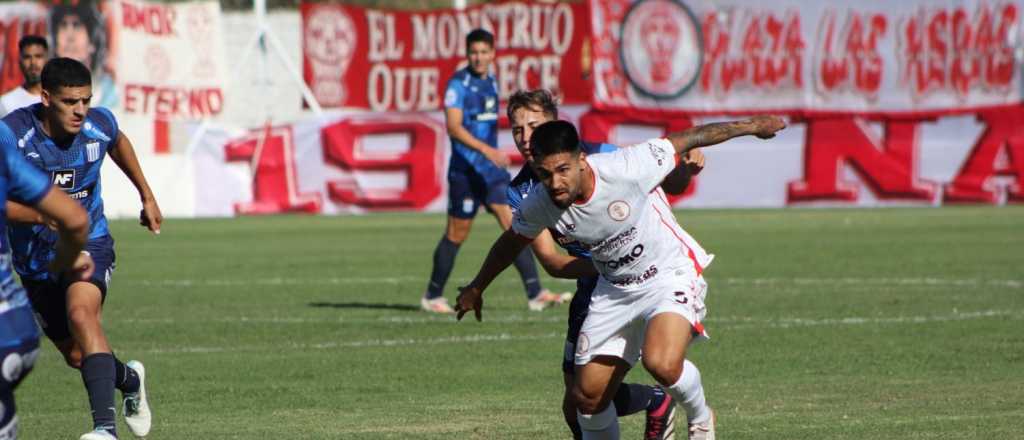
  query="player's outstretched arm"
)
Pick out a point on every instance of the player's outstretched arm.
point(762, 126)
point(72, 223)
point(558, 264)
point(504, 251)
point(124, 156)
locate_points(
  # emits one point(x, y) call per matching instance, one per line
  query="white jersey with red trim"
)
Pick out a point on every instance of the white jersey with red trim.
point(627, 223)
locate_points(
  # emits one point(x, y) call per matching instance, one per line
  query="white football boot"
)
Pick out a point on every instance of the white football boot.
point(136, 407)
point(99, 434)
point(703, 431)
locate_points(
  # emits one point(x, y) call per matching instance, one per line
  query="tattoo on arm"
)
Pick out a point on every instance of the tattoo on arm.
point(708, 134)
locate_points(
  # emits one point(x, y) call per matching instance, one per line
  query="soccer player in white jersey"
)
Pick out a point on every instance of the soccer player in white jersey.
point(32, 56)
point(650, 295)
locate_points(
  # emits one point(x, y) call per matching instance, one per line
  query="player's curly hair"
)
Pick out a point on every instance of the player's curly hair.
point(539, 99)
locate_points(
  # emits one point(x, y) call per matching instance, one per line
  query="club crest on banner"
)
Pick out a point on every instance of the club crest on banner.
point(329, 43)
point(662, 50)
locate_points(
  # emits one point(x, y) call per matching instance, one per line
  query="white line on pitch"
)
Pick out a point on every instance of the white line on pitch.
point(736, 323)
point(340, 281)
point(554, 317)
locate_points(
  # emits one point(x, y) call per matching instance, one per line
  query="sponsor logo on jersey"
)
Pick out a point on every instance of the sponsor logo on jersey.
point(634, 279)
point(64, 179)
point(658, 153)
point(28, 136)
point(83, 194)
point(618, 210)
point(632, 256)
point(613, 243)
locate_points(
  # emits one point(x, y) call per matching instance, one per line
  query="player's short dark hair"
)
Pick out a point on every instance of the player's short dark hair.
point(64, 72)
point(32, 40)
point(478, 36)
point(539, 99)
point(554, 137)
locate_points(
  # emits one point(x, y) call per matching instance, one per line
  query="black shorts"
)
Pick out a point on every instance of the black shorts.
point(49, 296)
point(578, 309)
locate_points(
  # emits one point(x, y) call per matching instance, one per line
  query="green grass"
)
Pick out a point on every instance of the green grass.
point(825, 324)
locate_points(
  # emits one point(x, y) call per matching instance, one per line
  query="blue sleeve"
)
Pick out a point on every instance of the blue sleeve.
point(455, 94)
point(514, 198)
point(28, 185)
point(606, 148)
point(110, 126)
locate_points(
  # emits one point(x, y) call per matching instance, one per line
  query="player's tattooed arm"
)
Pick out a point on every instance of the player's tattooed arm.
point(558, 264)
point(124, 156)
point(504, 251)
point(762, 126)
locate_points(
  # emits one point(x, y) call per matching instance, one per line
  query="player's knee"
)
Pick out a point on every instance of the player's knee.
point(81, 316)
point(457, 234)
point(665, 370)
point(586, 401)
point(456, 238)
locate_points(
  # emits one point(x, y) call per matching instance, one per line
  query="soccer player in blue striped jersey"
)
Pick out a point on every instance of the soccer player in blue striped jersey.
point(476, 173)
point(19, 334)
point(69, 141)
point(526, 111)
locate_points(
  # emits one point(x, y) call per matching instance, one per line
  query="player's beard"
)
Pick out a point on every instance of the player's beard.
point(565, 204)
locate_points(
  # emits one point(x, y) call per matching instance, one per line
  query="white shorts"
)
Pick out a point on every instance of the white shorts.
point(617, 321)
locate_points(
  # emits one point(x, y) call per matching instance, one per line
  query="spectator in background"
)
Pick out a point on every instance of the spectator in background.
point(33, 51)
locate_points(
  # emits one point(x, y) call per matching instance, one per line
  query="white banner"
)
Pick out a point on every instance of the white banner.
point(170, 59)
point(362, 162)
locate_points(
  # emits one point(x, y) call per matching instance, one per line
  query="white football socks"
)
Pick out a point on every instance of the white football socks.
point(689, 393)
point(601, 426)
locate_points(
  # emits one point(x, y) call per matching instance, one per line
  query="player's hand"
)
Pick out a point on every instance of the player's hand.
point(469, 298)
point(765, 126)
point(150, 217)
point(80, 270)
point(694, 160)
point(498, 158)
point(83, 267)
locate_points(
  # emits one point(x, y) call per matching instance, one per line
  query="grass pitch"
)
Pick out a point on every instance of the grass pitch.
point(837, 324)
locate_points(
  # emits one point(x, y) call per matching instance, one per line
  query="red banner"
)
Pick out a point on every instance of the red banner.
point(401, 60)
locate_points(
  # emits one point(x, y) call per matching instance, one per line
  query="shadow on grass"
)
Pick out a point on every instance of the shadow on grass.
point(360, 305)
